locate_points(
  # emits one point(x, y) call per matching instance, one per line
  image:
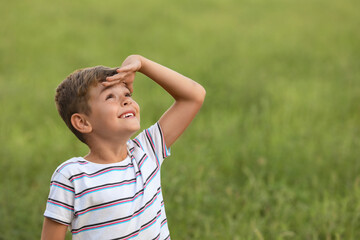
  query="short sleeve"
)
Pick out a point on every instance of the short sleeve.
point(152, 141)
point(60, 204)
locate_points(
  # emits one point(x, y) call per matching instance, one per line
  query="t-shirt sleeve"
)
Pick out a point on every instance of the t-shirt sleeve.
point(60, 204)
point(152, 141)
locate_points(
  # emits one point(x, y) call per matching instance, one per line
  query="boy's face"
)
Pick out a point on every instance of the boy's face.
point(113, 111)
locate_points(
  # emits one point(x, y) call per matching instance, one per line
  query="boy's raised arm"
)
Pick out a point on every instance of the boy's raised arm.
point(188, 94)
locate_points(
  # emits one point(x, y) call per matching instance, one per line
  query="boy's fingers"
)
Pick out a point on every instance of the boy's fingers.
point(106, 84)
point(118, 76)
point(130, 67)
point(125, 68)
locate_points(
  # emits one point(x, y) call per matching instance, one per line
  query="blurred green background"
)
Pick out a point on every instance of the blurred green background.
point(273, 154)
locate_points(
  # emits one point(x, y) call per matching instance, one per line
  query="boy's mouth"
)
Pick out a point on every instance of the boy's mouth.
point(127, 115)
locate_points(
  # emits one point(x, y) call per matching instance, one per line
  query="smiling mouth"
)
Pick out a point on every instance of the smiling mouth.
point(127, 115)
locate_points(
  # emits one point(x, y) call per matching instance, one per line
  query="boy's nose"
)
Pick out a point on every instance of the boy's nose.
point(126, 102)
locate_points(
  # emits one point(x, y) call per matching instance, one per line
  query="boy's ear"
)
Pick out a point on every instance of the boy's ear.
point(80, 123)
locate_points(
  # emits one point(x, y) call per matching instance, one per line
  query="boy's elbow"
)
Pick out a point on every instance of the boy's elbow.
point(201, 93)
point(195, 95)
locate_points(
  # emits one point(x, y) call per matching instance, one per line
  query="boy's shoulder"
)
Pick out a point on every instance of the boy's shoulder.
point(151, 141)
point(71, 166)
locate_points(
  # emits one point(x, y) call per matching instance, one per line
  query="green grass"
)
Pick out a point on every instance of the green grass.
point(274, 152)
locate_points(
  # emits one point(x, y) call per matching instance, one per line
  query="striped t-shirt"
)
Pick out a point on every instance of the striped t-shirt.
point(113, 201)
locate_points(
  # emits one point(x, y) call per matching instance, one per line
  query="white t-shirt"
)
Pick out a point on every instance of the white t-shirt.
point(113, 201)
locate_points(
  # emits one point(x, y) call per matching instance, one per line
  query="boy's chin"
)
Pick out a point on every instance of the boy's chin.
point(135, 128)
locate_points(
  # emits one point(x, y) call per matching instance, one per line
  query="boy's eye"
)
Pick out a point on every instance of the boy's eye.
point(128, 95)
point(109, 96)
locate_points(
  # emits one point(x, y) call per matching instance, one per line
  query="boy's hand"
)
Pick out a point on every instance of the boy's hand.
point(126, 73)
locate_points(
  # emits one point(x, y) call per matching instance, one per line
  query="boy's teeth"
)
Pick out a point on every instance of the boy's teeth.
point(127, 115)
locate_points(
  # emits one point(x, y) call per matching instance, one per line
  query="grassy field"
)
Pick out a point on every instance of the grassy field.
point(274, 152)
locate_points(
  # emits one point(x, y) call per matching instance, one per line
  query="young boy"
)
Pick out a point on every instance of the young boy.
point(114, 192)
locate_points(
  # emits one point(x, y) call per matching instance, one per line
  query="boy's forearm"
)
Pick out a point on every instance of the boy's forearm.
point(178, 86)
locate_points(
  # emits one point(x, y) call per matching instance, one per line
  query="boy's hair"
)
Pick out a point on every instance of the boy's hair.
point(72, 93)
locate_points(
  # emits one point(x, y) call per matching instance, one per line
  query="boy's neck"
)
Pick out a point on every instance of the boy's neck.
point(105, 153)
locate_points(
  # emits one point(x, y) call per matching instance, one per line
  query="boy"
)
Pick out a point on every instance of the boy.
point(114, 192)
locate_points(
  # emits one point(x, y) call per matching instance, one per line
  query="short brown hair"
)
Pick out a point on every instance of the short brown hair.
point(72, 93)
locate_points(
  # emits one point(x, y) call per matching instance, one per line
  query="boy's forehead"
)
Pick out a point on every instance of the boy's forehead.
point(100, 88)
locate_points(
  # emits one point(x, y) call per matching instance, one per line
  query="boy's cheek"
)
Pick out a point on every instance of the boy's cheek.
point(137, 107)
point(138, 116)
